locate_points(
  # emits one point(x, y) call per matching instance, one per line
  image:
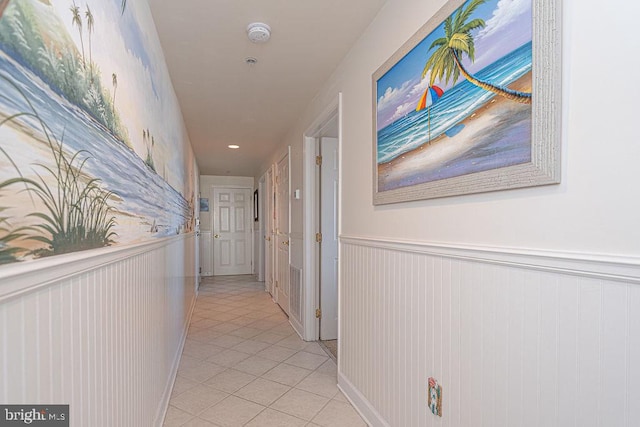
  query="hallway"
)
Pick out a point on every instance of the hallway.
point(243, 365)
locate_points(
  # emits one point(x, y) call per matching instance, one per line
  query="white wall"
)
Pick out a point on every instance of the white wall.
point(592, 215)
point(592, 209)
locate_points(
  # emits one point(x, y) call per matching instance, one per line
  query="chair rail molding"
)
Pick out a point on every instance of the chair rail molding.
point(601, 266)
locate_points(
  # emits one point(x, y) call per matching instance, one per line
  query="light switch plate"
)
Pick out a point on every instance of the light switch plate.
point(435, 397)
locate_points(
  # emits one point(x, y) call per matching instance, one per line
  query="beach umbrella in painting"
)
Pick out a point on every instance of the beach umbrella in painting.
point(429, 97)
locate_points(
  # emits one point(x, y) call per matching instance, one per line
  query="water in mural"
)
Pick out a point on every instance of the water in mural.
point(91, 138)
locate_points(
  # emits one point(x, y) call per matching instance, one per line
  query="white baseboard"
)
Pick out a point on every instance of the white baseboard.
point(360, 403)
point(166, 396)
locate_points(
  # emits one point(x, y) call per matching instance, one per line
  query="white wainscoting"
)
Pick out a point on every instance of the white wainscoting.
point(100, 330)
point(516, 338)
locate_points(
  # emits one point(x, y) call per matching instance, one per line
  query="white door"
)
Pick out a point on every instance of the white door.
point(329, 246)
point(282, 233)
point(232, 231)
point(269, 233)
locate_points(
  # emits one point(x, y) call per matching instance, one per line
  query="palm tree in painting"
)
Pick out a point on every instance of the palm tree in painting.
point(114, 81)
point(76, 20)
point(90, 23)
point(446, 61)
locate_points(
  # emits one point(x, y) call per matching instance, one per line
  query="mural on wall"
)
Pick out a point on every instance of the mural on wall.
point(93, 150)
point(459, 102)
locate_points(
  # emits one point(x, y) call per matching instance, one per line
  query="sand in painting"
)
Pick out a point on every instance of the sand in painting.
point(497, 134)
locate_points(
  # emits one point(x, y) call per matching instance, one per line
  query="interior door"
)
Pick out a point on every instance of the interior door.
point(282, 233)
point(269, 233)
point(232, 232)
point(329, 246)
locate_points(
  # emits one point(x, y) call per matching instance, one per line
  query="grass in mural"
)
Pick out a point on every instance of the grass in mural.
point(7, 235)
point(77, 214)
point(149, 143)
point(9, 253)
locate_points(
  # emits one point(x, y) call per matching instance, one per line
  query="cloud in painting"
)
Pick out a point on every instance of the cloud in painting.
point(411, 99)
point(396, 103)
point(392, 96)
point(505, 14)
point(422, 86)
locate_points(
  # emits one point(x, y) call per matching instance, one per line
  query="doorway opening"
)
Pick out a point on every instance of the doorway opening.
point(322, 224)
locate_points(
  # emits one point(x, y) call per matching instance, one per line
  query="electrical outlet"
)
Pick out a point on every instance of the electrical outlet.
point(435, 397)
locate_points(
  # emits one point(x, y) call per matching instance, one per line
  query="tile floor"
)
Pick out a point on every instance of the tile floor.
point(243, 365)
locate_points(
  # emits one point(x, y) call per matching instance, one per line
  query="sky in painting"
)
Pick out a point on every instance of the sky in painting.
point(508, 26)
point(127, 45)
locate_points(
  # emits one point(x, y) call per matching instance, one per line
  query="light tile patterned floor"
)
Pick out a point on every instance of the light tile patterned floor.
point(243, 365)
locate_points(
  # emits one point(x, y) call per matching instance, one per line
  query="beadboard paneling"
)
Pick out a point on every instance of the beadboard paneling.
point(107, 339)
point(515, 338)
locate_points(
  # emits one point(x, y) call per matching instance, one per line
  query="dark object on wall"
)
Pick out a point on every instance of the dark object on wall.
point(255, 206)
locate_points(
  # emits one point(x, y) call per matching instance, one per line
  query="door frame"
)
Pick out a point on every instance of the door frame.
point(212, 219)
point(269, 232)
point(311, 206)
point(261, 263)
point(286, 153)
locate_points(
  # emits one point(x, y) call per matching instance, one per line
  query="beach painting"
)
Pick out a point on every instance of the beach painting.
point(454, 107)
point(93, 149)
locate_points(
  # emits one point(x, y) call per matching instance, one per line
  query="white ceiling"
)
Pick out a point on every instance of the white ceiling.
point(225, 101)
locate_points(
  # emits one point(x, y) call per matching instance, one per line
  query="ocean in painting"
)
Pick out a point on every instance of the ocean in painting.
point(444, 117)
point(141, 195)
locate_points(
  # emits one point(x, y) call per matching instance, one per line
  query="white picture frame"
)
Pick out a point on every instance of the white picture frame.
point(543, 167)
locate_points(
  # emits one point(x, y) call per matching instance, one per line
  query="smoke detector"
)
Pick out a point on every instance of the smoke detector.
point(259, 32)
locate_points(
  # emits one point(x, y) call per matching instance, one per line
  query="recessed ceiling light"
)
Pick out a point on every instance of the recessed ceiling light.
point(251, 60)
point(233, 146)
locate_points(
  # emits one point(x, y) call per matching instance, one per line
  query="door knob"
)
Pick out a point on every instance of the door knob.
point(286, 243)
point(216, 236)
